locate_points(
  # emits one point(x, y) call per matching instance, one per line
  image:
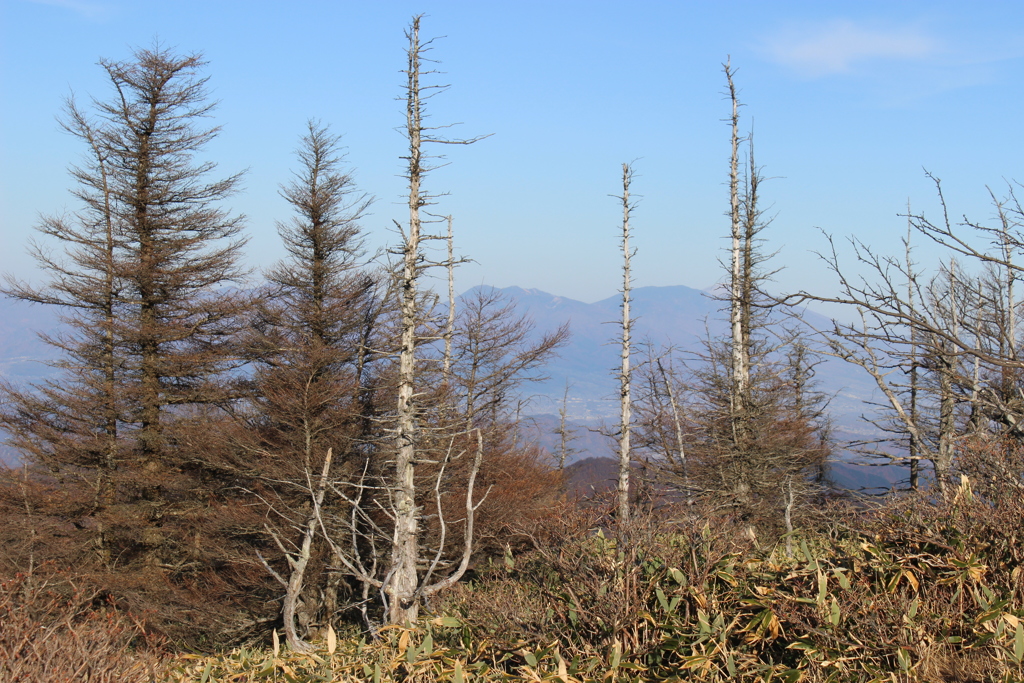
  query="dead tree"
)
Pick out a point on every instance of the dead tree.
point(626, 351)
point(566, 434)
point(403, 585)
point(449, 328)
point(493, 356)
point(957, 328)
point(738, 303)
point(298, 558)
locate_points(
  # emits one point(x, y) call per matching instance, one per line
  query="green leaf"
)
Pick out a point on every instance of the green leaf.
point(530, 659)
point(662, 600)
point(702, 619)
point(677, 576)
point(904, 659)
point(790, 676)
point(509, 562)
point(1018, 643)
point(719, 623)
point(447, 622)
point(834, 614)
point(206, 672)
point(844, 581)
point(912, 610)
point(457, 675)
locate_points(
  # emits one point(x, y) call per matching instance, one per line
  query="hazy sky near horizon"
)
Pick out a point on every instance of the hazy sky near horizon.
point(851, 102)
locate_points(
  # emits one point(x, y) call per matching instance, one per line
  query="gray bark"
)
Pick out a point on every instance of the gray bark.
point(625, 374)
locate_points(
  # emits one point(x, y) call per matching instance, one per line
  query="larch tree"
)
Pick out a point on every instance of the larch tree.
point(311, 347)
point(178, 250)
point(143, 275)
point(149, 255)
point(75, 421)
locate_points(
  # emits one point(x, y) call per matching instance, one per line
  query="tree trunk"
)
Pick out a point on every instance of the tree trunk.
point(625, 374)
point(740, 373)
point(405, 549)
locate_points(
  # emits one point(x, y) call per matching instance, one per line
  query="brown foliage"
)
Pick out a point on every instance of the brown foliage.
point(57, 628)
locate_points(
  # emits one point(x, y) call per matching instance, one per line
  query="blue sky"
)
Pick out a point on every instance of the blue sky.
point(850, 102)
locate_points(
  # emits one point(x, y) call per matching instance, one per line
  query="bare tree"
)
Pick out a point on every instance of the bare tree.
point(740, 360)
point(449, 328)
point(625, 372)
point(403, 585)
point(493, 356)
point(954, 333)
point(662, 421)
point(752, 440)
point(566, 434)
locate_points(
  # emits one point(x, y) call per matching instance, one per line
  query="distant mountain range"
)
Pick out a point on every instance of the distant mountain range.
point(678, 316)
point(675, 316)
point(683, 318)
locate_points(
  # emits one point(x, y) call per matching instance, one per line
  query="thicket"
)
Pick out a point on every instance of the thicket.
point(908, 591)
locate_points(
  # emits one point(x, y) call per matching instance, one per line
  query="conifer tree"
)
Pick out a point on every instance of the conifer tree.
point(140, 275)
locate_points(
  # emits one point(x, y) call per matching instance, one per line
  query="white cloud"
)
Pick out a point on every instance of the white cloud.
point(838, 46)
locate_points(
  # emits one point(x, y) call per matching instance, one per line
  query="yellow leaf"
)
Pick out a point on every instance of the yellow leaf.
point(332, 640)
point(403, 642)
point(277, 643)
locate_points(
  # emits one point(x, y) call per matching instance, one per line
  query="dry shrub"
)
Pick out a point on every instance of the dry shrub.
point(580, 585)
point(56, 629)
point(189, 567)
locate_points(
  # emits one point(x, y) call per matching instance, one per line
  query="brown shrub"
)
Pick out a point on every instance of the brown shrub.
point(56, 629)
